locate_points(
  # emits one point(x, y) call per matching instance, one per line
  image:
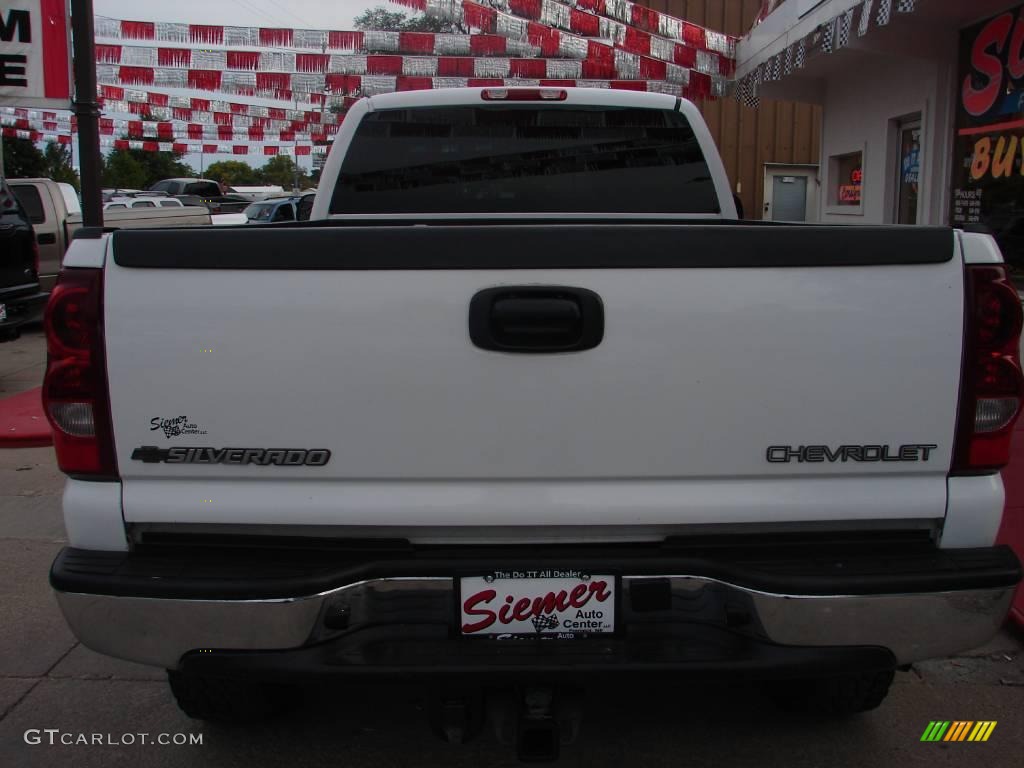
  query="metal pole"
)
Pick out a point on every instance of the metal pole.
point(87, 111)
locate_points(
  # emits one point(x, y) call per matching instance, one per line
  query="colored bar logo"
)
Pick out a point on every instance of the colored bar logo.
point(958, 730)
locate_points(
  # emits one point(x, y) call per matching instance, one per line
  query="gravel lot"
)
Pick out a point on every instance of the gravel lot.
point(49, 681)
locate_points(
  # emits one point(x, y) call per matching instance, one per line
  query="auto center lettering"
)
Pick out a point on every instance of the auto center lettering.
point(998, 51)
point(525, 609)
point(35, 54)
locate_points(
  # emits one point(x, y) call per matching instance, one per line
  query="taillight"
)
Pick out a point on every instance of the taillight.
point(523, 94)
point(75, 394)
point(992, 384)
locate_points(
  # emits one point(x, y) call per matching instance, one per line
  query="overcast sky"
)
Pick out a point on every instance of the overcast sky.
point(303, 14)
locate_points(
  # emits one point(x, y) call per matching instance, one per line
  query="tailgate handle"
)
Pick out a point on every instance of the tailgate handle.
point(532, 319)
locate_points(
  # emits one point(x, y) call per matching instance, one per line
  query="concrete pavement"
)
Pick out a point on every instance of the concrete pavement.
point(49, 681)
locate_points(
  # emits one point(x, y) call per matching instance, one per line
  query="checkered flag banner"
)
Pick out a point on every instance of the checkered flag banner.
point(800, 57)
point(905, 6)
point(828, 36)
point(844, 24)
point(544, 621)
point(884, 12)
point(865, 17)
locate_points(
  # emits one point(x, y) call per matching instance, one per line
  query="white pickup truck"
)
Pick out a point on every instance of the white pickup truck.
point(526, 402)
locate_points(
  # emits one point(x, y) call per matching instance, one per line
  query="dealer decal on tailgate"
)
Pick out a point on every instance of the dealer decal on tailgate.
point(548, 603)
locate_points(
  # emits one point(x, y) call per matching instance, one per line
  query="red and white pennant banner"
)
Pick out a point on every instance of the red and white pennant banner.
point(240, 74)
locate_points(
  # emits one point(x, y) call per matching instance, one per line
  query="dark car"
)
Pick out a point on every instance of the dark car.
point(211, 193)
point(21, 301)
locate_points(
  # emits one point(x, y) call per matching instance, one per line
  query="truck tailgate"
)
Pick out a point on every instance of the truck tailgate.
point(746, 373)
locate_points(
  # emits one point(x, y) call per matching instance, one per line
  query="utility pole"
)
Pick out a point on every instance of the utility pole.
point(87, 110)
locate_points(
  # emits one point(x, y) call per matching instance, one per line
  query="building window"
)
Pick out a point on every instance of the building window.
point(908, 171)
point(846, 178)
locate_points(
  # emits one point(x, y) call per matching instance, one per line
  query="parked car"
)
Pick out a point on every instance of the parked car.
point(273, 210)
point(210, 192)
point(56, 213)
point(567, 417)
point(255, 194)
point(21, 299)
point(123, 203)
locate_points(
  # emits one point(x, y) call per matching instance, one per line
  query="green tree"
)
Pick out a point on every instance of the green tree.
point(232, 173)
point(144, 168)
point(23, 160)
point(383, 20)
point(280, 170)
point(58, 164)
point(122, 170)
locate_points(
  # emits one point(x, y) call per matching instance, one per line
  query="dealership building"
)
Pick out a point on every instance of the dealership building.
point(922, 108)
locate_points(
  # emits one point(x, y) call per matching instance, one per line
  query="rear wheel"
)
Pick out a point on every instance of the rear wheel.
point(228, 701)
point(843, 695)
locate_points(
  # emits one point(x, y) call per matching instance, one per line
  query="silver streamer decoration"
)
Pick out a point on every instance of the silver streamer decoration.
point(169, 32)
point(449, 10)
point(619, 9)
point(627, 65)
point(236, 81)
point(277, 61)
point(107, 73)
point(375, 41)
point(572, 47)
point(450, 82)
point(717, 42)
point(374, 84)
point(663, 49)
point(522, 49)
point(135, 56)
point(511, 26)
point(669, 27)
point(719, 85)
point(451, 45)
point(171, 78)
point(707, 63)
point(308, 83)
point(310, 38)
point(490, 67)
point(107, 27)
point(349, 65)
point(593, 84)
point(560, 69)
point(257, 111)
point(421, 66)
point(209, 59)
point(139, 97)
point(522, 82)
point(160, 113)
point(555, 14)
point(677, 74)
point(659, 86)
point(184, 102)
point(246, 36)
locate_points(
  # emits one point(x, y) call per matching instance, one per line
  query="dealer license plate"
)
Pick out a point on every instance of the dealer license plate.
point(548, 603)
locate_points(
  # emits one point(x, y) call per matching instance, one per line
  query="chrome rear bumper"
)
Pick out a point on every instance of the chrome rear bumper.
point(162, 630)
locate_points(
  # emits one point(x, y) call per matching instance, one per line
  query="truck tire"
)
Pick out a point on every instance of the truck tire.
point(834, 696)
point(228, 701)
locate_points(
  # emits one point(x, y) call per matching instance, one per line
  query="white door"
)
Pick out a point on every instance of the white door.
point(790, 193)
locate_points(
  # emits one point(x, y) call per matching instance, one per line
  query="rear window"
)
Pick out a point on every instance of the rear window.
point(203, 189)
point(30, 200)
point(521, 159)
